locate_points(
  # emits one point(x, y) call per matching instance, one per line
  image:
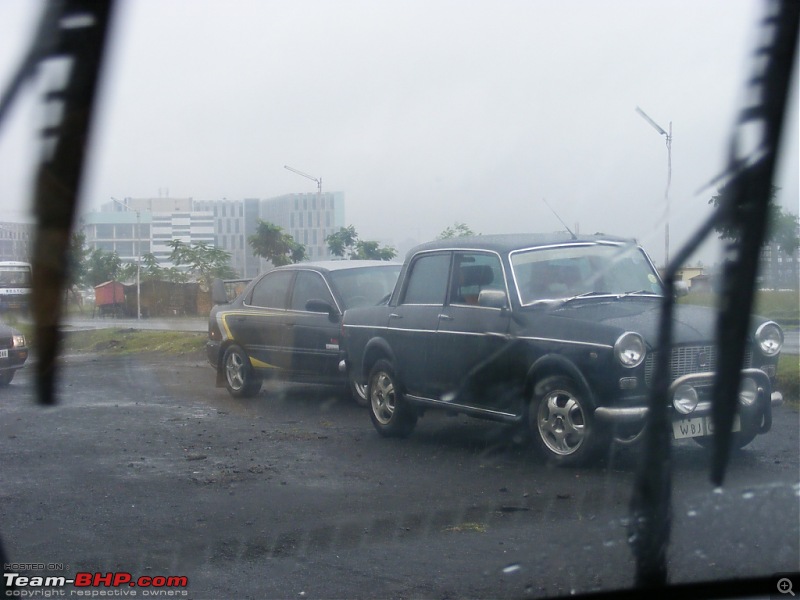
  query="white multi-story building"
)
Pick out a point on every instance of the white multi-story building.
point(16, 241)
point(137, 226)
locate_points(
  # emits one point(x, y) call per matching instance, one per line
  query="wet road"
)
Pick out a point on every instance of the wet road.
point(145, 468)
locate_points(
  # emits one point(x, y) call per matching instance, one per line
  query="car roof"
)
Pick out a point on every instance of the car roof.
point(337, 265)
point(512, 241)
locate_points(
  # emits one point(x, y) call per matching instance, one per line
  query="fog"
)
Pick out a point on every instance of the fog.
point(422, 113)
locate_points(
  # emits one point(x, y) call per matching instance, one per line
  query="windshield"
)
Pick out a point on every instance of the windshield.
point(578, 269)
point(366, 286)
point(563, 156)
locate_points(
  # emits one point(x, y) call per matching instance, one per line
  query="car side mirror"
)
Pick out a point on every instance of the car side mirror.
point(323, 306)
point(681, 289)
point(493, 299)
point(219, 295)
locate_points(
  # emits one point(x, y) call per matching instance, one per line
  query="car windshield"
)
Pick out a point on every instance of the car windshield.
point(364, 286)
point(573, 371)
point(583, 269)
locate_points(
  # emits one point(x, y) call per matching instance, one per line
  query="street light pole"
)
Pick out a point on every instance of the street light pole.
point(138, 258)
point(668, 137)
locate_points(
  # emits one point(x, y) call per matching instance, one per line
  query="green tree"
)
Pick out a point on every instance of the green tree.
point(370, 250)
point(102, 266)
point(200, 262)
point(345, 243)
point(457, 230)
point(78, 259)
point(782, 224)
point(271, 242)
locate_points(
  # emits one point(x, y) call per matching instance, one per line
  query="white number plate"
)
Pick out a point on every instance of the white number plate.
point(698, 426)
point(3, 353)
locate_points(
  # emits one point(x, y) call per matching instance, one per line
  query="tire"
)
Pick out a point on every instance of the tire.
point(6, 377)
point(390, 413)
point(241, 380)
point(358, 392)
point(561, 419)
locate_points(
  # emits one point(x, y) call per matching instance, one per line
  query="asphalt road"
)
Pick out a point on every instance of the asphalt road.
point(145, 468)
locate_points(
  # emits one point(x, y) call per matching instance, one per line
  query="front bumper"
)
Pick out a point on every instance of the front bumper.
point(759, 412)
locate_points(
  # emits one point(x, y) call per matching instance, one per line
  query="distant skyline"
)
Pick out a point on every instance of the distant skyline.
point(422, 113)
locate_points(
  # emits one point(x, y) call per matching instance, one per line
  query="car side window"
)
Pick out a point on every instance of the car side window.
point(272, 291)
point(474, 272)
point(309, 286)
point(427, 283)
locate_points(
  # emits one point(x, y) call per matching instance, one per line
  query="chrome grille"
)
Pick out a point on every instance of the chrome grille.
point(690, 359)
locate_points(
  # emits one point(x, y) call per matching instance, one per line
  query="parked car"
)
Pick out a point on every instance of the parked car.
point(13, 353)
point(552, 332)
point(286, 323)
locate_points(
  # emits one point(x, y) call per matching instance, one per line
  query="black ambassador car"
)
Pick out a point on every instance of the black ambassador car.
point(13, 353)
point(286, 323)
point(553, 332)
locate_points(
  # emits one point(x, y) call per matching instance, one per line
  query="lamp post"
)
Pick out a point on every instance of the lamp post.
point(138, 258)
point(668, 137)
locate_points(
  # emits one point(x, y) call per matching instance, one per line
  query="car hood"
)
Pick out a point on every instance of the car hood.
point(691, 324)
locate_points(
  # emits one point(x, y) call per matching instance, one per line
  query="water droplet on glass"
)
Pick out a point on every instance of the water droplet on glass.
point(511, 569)
point(748, 495)
point(691, 513)
point(719, 490)
point(609, 543)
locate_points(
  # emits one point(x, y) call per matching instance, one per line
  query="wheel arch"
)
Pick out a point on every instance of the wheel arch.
point(551, 365)
point(375, 350)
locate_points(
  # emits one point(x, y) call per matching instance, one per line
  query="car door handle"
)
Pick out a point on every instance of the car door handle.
point(395, 316)
point(445, 317)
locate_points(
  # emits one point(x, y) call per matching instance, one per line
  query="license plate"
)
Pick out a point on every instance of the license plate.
point(698, 427)
point(3, 353)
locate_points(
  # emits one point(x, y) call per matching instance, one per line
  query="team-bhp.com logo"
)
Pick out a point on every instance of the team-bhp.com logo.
point(92, 584)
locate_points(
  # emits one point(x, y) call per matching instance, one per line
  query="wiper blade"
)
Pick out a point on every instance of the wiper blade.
point(640, 293)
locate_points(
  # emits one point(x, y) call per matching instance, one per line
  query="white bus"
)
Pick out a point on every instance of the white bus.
point(15, 285)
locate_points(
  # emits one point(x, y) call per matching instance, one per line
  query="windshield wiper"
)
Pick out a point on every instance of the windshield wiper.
point(640, 293)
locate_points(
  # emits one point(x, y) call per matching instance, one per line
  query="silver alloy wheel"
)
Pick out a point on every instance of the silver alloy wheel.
point(561, 422)
point(382, 397)
point(234, 371)
point(360, 390)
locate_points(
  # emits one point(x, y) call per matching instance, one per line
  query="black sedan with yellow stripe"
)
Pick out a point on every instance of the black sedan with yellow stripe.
point(286, 323)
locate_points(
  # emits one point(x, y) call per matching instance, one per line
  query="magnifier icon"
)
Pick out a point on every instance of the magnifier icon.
point(785, 586)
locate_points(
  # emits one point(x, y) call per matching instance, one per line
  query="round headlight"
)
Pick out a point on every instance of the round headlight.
point(770, 338)
point(685, 399)
point(748, 391)
point(630, 349)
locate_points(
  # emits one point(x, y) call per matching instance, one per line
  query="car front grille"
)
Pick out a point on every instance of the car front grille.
point(690, 359)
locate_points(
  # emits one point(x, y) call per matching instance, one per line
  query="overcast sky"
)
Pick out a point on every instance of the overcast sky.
point(423, 113)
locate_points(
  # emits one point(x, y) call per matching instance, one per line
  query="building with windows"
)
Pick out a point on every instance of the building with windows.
point(135, 226)
point(138, 226)
point(16, 241)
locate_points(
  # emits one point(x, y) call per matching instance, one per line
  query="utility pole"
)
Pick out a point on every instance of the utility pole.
point(138, 258)
point(668, 137)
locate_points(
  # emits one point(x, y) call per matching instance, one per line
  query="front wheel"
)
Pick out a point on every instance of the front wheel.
point(562, 422)
point(241, 380)
point(389, 412)
point(6, 377)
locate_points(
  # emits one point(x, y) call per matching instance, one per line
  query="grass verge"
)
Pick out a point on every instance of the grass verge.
point(132, 341)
